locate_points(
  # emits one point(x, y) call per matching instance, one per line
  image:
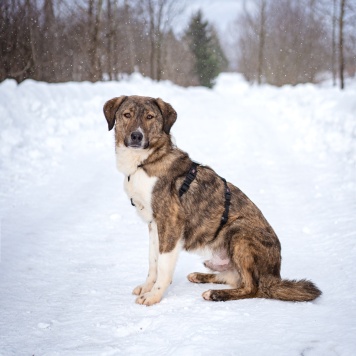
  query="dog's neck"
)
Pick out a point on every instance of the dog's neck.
point(128, 159)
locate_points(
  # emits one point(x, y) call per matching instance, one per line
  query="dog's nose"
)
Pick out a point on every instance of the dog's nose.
point(136, 137)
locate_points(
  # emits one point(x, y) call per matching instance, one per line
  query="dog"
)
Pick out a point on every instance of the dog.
point(188, 206)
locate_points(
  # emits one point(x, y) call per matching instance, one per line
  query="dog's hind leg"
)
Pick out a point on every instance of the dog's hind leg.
point(248, 286)
point(197, 277)
point(230, 277)
point(247, 289)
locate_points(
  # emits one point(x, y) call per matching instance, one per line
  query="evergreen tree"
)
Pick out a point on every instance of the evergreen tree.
point(205, 47)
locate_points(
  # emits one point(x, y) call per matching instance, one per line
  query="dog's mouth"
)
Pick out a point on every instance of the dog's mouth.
point(136, 145)
point(132, 145)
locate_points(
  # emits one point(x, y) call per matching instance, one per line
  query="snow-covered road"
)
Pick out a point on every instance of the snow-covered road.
point(72, 247)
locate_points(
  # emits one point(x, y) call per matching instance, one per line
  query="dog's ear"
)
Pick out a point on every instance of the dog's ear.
point(110, 109)
point(168, 113)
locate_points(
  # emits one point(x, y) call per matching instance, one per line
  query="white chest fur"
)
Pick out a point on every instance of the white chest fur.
point(138, 185)
point(127, 159)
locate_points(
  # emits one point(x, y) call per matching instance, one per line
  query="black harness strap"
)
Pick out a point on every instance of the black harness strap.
point(225, 215)
point(192, 173)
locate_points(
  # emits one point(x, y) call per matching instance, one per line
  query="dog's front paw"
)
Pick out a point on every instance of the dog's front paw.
point(137, 290)
point(142, 289)
point(149, 298)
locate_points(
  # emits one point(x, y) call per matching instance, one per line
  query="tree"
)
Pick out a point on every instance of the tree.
point(121, 38)
point(252, 26)
point(61, 40)
point(341, 43)
point(333, 43)
point(179, 61)
point(282, 42)
point(158, 16)
point(205, 46)
point(94, 21)
point(262, 36)
point(18, 39)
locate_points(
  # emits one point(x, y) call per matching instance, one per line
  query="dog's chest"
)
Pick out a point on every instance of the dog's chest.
point(139, 187)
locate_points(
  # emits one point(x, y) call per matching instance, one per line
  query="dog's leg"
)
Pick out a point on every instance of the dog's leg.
point(230, 277)
point(248, 289)
point(198, 277)
point(249, 278)
point(165, 268)
point(219, 261)
point(153, 258)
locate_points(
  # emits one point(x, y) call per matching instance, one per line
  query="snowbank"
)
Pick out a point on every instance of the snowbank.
point(72, 247)
point(38, 119)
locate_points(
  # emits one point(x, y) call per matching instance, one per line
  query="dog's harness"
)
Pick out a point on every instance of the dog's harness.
point(192, 173)
point(189, 178)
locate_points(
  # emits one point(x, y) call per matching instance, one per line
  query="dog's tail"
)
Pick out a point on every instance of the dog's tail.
point(288, 290)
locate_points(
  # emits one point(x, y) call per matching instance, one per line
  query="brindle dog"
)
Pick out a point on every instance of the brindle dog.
point(246, 253)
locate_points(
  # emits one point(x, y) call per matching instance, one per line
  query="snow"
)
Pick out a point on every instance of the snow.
point(73, 248)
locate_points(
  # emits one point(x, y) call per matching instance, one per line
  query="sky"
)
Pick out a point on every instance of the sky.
point(220, 12)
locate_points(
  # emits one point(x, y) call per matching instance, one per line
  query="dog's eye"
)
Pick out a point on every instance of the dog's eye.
point(149, 117)
point(127, 115)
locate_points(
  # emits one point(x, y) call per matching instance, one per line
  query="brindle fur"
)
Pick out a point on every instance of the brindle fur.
point(248, 244)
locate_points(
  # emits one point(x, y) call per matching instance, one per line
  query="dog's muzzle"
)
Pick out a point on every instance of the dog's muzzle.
point(136, 140)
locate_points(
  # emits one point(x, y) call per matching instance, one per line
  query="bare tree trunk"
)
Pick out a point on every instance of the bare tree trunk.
point(48, 65)
point(152, 33)
point(94, 20)
point(160, 13)
point(130, 39)
point(261, 40)
point(30, 29)
point(159, 41)
point(341, 43)
point(109, 44)
point(333, 54)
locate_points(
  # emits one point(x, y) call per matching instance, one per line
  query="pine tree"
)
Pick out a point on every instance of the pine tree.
point(205, 46)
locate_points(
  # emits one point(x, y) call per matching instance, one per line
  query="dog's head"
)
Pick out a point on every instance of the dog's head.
point(139, 121)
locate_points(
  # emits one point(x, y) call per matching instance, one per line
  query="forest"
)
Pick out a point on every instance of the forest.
point(271, 41)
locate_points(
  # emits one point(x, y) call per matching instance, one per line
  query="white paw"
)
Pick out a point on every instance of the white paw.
point(142, 288)
point(137, 290)
point(207, 295)
point(149, 298)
